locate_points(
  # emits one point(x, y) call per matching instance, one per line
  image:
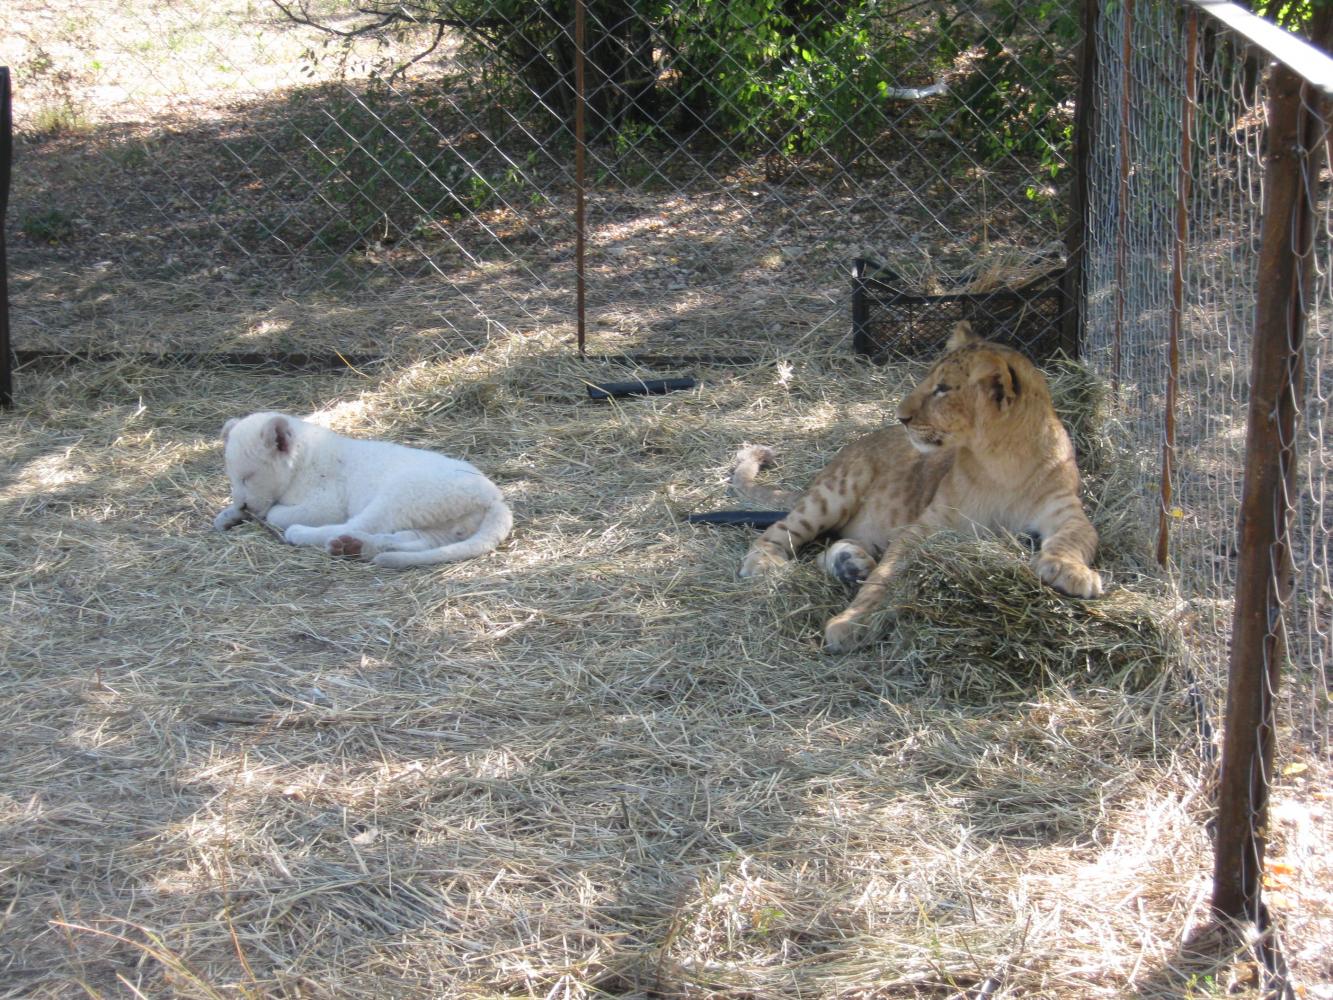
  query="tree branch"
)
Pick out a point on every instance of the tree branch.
point(299, 13)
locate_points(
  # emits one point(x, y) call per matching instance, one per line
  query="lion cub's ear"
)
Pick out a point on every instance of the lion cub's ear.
point(998, 380)
point(277, 435)
point(961, 336)
point(226, 428)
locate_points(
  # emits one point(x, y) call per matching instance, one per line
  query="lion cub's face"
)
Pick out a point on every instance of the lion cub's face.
point(258, 454)
point(975, 381)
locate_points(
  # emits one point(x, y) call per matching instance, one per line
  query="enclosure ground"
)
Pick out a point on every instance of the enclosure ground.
point(594, 763)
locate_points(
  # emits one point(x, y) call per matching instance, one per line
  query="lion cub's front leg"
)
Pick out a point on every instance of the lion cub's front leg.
point(231, 516)
point(849, 629)
point(1066, 552)
point(823, 507)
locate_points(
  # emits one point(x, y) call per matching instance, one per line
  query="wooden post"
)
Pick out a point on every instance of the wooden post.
point(1264, 568)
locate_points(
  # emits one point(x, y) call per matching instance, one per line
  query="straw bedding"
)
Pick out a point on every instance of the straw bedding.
point(594, 763)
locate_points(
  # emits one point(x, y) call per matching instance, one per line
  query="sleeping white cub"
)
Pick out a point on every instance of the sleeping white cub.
point(393, 505)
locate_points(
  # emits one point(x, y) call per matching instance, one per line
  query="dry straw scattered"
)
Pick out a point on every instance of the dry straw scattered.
point(593, 764)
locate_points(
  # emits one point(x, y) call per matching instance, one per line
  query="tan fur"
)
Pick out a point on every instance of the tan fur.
point(750, 461)
point(978, 445)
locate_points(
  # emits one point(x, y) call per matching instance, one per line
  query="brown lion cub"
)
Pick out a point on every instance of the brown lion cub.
point(979, 445)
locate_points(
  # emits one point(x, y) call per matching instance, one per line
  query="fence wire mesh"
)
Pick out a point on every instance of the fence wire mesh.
point(394, 178)
point(1180, 150)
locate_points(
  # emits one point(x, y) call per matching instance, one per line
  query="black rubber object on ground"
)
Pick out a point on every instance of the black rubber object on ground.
point(640, 387)
point(746, 518)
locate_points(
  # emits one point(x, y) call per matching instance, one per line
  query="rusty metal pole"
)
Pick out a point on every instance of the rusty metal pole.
point(580, 168)
point(1264, 568)
point(1076, 229)
point(1177, 286)
point(1122, 201)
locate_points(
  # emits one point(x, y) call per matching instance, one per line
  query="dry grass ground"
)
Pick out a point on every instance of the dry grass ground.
point(593, 764)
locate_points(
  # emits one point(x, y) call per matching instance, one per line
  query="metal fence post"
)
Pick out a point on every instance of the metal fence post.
point(1177, 287)
point(6, 158)
point(580, 173)
point(1076, 232)
point(1122, 201)
point(1264, 567)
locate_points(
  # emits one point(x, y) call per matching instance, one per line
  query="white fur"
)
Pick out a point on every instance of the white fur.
point(394, 505)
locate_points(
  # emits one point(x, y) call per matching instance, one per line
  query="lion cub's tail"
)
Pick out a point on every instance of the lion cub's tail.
point(749, 461)
point(493, 530)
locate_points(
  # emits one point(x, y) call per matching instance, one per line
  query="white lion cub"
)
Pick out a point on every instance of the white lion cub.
point(393, 505)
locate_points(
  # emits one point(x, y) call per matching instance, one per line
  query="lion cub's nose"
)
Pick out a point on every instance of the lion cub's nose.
point(905, 418)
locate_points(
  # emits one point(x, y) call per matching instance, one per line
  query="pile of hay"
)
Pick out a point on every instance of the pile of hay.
point(595, 763)
point(974, 616)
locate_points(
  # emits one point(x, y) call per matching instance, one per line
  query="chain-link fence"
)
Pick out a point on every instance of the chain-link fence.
point(305, 177)
point(1208, 168)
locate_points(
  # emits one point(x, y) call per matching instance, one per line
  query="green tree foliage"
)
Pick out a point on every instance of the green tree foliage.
point(1295, 15)
point(774, 75)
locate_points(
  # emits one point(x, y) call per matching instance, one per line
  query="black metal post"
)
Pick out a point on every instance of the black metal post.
point(6, 159)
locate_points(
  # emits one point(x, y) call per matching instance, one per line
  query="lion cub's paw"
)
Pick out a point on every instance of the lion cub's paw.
point(847, 562)
point(229, 518)
point(843, 633)
point(1069, 577)
point(760, 561)
point(303, 535)
point(346, 546)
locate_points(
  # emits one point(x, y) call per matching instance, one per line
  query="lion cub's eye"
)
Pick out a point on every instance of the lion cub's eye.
point(940, 390)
